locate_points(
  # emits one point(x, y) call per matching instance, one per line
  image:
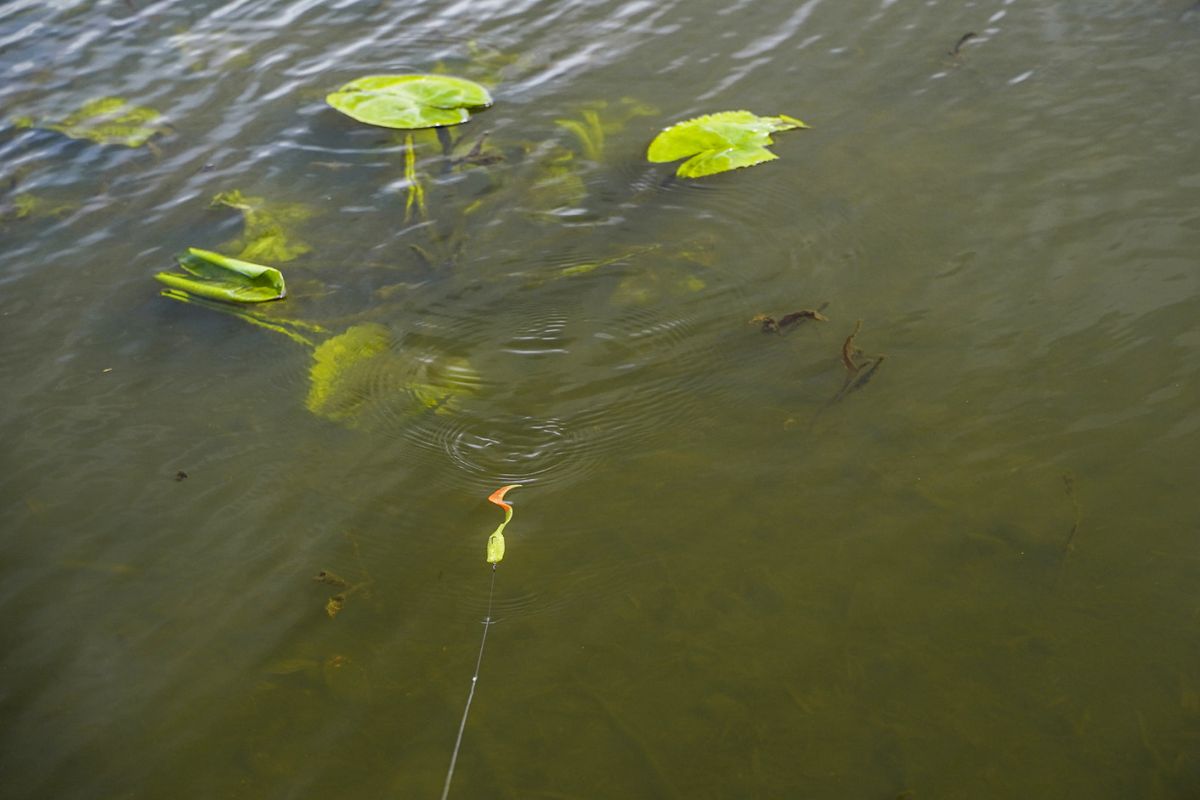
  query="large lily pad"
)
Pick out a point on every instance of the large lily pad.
point(410, 101)
point(719, 142)
point(107, 120)
point(219, 277)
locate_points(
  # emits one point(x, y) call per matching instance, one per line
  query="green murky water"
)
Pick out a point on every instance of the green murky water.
point(973, 577)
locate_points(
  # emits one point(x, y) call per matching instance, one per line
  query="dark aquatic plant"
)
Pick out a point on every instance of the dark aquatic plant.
point(719, 142)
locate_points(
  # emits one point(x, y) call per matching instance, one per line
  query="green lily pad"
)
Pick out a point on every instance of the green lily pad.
point(219, 277)
point(410, 101)
point(107, 120)
point(267, 235)
point(719, 142)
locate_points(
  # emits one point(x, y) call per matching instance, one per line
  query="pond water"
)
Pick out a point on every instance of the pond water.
point(972, 576)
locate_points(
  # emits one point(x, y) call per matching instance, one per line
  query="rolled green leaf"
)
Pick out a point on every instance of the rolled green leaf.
point(219, 277)
point(407, 102)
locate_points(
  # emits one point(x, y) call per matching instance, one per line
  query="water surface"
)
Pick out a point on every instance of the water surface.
point(973, 577)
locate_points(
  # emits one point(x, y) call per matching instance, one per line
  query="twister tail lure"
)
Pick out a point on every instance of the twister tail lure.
point(495, 554)
point(495, 542)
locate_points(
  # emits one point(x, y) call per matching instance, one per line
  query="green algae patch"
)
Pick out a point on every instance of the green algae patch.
point(361, 369)
point(598, 120)
point(334, 392)
point(106, 120)
point(268, 232)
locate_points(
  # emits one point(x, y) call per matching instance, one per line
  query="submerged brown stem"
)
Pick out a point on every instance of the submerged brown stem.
point(849, 351)
point(966, 37)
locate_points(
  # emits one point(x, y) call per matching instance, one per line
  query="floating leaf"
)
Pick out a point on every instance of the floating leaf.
point(495, 542)
point(719, 142)
point(219, 277)
point(410, 101)
point(107, 120)
point(267, 235)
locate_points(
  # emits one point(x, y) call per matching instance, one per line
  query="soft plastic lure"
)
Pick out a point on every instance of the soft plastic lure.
point(495, 542)
point(495, 553)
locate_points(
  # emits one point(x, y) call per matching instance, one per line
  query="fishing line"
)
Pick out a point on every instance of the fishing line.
point(462, 726)
point(495, 554)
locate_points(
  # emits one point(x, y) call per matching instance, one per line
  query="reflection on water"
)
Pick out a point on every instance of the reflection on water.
point(972, 575)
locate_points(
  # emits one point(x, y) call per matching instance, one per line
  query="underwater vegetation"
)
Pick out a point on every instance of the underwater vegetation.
point(268, 227)
point(105, 120)
point(364, 363)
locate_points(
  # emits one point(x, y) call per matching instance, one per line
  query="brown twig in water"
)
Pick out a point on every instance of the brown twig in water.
point(861, 378)
point(849, 351)
point(325, 576)
point(770, 325)
point(796, 317)
point(1068, 480)
point(1069, 485)
point(955, 51)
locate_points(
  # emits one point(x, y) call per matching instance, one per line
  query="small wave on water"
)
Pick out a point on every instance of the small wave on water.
point(569, 386)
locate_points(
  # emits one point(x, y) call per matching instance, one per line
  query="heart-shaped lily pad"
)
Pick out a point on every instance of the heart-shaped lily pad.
point(410, 101)
point(719, 142)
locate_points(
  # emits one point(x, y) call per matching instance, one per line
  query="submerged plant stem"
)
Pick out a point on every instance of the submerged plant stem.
point(416, 192)
point(253, 319)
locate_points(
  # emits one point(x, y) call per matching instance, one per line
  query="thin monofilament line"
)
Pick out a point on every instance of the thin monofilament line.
point(487, 623)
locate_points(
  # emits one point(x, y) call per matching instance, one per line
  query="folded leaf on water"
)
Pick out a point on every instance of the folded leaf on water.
point(219, 277)
point(719, 142)
point(410, 101)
